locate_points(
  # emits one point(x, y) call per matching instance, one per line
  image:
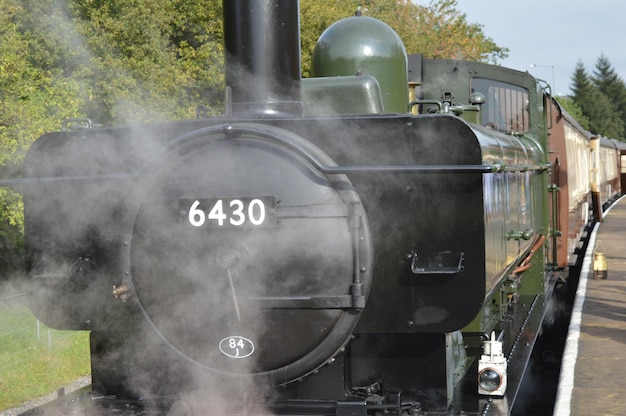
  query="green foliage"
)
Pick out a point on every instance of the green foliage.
point(34, 94)
point(574, 110)
point(147, 60)
point(437, 30)
point(612, 86)
point(590, 95)
point(115, 61)
point(34, 97)
point(143, 60)
point(11, 232)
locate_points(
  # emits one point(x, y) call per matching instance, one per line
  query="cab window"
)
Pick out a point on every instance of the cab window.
point(506, 108)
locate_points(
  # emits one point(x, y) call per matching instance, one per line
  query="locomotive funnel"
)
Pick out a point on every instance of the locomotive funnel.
point(262, 57)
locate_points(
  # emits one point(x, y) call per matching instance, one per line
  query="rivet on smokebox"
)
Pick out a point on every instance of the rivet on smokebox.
point(600, 268)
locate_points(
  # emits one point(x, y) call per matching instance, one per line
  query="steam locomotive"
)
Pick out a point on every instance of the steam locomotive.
point(338, 245)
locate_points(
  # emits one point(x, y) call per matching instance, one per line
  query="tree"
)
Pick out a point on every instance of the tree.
point(149, 60)
point(573, 110)
point(440, 31)
point(437, 30)
point(145, 60)
point(35, 94)
point(612, 86)
point(603, 118)
point(34, 97)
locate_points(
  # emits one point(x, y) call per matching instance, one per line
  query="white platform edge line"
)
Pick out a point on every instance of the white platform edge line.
point(562, 405)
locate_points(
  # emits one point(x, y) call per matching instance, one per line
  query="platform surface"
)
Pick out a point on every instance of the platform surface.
point(595, 354)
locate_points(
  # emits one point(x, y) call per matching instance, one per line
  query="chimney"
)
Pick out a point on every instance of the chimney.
point(262, 57)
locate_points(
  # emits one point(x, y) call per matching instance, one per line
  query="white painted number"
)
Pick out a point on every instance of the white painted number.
point(236, 347)
point(237, 218)
point(234, 343)
point(256, 212)
point(196, 216)
point(217, 213)
point(235, 213)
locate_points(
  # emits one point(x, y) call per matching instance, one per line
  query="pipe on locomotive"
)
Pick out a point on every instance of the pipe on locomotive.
point(262, 58)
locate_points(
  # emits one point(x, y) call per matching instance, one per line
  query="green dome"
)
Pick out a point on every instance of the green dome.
point(365, 46)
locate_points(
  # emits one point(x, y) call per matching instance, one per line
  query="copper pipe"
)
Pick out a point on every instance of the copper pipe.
point(525, 265)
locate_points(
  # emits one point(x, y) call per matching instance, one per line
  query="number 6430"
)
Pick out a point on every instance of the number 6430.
point(234, 212)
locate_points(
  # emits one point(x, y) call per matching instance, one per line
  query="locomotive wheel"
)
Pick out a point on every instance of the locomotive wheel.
point(245, 258)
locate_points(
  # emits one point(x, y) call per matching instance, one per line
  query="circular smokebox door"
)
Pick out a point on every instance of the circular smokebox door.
point(246, 259)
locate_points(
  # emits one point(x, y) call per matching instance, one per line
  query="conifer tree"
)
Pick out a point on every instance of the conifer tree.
point(612, 86)
point(603, 118)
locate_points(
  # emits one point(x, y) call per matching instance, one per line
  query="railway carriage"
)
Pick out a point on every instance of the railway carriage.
point(605, 176)
point(585, 178)
point(571, 176)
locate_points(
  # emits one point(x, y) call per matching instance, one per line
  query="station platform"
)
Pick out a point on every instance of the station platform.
point(593, 371)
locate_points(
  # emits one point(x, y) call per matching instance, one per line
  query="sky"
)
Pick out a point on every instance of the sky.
point(553, 34)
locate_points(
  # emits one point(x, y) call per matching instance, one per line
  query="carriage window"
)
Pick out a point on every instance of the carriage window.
point(506, 109)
